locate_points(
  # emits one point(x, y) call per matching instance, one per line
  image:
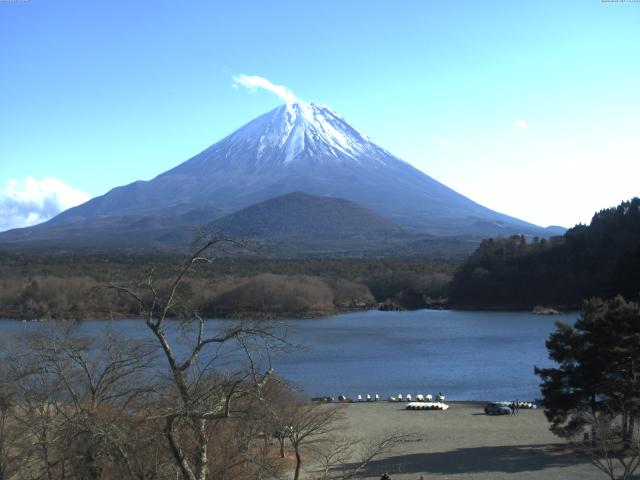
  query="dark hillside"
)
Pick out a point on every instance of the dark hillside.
point(308, 217)
point(293, 225)
point(601, 259)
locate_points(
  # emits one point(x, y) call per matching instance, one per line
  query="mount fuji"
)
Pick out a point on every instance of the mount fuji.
point(297, 147)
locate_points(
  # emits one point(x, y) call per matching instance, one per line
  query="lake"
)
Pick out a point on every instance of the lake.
point(466, 355)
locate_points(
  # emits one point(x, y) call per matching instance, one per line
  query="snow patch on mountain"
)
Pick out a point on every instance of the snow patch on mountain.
point(300, 129)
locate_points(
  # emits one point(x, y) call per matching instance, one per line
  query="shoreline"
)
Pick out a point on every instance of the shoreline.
point(260, 316)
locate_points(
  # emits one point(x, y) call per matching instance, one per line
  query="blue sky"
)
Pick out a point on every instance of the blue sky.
point(530, 108)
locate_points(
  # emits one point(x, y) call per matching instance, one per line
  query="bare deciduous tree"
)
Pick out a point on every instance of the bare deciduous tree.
point(101, 379)
point(75, 396)
point(37, 394)
point(77, 401)
point(612, 449)
point(191, 402)
point(307, 425)
point(13, 439)
point(203, 393)
point(344, 458)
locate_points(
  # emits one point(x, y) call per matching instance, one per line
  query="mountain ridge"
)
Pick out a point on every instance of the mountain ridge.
point(294, 225)
point(296, 148)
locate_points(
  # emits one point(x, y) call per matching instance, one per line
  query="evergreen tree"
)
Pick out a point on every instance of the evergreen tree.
point(602, 259)
point(598, 368)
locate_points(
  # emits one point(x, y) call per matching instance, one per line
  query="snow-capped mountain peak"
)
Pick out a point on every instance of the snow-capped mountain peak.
point(299, 130)
point(303, 147)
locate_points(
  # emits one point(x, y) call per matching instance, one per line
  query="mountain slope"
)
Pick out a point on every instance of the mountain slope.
point(293, 225)
point(306, 216)
point(172, 228)
point(298, 224)
point(306, 148)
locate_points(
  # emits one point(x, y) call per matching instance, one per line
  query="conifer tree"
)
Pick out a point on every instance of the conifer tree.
point(598, 368)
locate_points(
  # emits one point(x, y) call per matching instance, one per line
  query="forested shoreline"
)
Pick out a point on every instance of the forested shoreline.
point(505, 273)
point(75, 286)
point(597, 260)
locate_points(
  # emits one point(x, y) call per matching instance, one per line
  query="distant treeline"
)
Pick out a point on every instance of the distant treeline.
point(72, 285)
point(601, 259)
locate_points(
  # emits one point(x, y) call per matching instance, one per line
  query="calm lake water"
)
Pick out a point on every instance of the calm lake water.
point(466, 355)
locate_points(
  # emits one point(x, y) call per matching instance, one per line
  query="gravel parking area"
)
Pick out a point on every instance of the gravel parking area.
point(464, 443)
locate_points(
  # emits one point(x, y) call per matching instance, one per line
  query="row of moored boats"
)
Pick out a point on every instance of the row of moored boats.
point(419, 398)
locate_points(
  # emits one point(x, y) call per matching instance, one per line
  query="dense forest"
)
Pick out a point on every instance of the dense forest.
point(74, 285)
point(601, 259)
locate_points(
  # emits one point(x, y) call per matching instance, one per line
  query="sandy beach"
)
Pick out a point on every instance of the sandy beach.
point(464, 443)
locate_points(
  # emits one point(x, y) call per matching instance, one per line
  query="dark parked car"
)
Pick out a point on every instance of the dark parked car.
point(497, 408)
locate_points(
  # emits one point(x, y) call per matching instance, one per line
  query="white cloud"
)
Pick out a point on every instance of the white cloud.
point(441, 141)
point(521, 124)
point(34, 201)
point(253, 82)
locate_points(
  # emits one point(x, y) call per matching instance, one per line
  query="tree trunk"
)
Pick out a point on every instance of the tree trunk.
point(203, 442)
point(593, 425)
point(45, 455)
point(178, 455)
point(281, 440)
point(627, 427)
point(296, 475)
point(91, 459)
